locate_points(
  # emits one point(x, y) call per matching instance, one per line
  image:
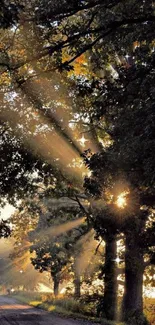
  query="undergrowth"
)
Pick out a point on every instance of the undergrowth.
point(69, 307)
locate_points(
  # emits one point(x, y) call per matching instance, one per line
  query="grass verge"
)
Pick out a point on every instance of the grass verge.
point(70, 308)
point(64, 307)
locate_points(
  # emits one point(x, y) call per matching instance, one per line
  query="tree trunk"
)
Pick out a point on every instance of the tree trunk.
point(77, 281)
point(77, 284)
point(110, 279)
point(56, 285)
point(134, 268)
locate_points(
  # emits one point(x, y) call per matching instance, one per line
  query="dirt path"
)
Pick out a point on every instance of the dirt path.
point(14, 313)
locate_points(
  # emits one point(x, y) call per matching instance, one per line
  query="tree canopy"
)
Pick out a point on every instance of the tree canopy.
point(77, 121)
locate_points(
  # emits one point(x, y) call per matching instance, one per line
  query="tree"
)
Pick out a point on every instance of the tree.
point(50, 258)
point(54, 248)
point(128, 168)
point(20, 272)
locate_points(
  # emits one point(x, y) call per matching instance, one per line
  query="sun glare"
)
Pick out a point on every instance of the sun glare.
point(82, 141)
point(121, 200)
point(118, 260)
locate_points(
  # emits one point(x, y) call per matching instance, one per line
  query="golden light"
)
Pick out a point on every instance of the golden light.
point(82, 141)
point(60, 229)
point(43, 288)
point(118, 260)
point(121, 200)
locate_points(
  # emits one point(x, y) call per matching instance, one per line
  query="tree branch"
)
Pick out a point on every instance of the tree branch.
point(98, 246)
point(105, 31)
point(66, 13)
point(83, 208)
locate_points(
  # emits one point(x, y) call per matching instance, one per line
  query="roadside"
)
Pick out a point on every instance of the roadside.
point(13, 312)
point(66, 308)
point(70, 308)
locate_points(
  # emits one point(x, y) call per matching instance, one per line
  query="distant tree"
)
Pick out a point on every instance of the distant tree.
point(5, 230)
point(54, 253)
point(23, 221)
point(19, 272)
point(53, 259)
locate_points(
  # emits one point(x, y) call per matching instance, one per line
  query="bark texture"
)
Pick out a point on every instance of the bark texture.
point(56, 282)
point(110, 279)
point(134, 269)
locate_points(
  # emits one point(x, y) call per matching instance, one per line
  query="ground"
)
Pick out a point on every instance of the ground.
point(14, 313)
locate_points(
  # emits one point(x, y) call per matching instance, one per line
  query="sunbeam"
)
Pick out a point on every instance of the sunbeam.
point(54, 231)
point(86, 247)
point(60, 111)
point(41, 137)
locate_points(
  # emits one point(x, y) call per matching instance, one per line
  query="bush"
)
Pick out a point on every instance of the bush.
point(47, 297)
point(71, 305)
point(149, 310)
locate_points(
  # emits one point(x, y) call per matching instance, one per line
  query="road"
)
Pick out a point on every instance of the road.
point(14, 313)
